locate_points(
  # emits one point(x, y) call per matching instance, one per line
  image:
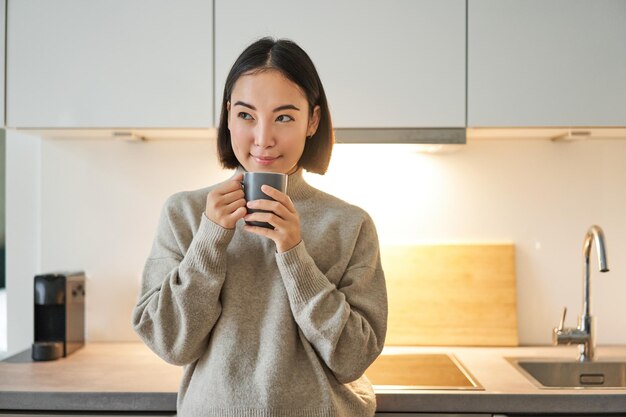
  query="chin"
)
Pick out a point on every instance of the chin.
point(278, 168)
point(256, 168)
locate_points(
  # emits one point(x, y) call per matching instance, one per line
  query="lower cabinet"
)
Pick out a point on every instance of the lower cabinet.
point(430, 415)
point(79, 414)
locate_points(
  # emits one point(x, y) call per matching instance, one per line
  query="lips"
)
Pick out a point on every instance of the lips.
point(264, 159)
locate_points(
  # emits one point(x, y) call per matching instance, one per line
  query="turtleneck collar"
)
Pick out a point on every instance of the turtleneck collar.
point(297, 187)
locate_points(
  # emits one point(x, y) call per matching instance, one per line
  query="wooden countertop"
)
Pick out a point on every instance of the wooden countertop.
point(128, 377)
point(97, 367)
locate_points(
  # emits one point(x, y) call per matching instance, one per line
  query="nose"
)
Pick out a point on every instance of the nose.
point(263, 135)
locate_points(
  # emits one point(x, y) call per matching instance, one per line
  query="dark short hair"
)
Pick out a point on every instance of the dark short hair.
point(287, 57)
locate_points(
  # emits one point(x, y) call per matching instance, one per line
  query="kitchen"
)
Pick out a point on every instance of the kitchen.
point(85, 200)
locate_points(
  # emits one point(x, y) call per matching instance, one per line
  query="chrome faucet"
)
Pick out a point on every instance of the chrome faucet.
point(584, 335)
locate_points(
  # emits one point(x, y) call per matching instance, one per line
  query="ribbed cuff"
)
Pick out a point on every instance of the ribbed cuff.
point(302, 278)
point(207, 251)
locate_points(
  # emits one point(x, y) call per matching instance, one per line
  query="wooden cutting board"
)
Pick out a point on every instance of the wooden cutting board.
point(451, 295)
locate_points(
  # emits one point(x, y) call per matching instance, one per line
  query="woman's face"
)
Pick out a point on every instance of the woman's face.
point(268, 119)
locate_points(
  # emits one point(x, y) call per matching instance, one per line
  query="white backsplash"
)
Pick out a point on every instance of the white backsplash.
point(100, 201)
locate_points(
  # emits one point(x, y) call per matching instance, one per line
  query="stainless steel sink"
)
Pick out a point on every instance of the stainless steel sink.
point(562, 374)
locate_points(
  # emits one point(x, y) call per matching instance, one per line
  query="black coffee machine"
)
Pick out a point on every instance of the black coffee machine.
point(59, 315)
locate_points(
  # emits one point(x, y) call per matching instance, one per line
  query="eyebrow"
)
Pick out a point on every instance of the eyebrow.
point(279, 108)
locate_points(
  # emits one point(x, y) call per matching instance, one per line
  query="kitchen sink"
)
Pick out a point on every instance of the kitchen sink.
point(420, 372)
point(562, 374)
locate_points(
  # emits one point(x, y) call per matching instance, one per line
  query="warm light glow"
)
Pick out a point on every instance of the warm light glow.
point(393, 183)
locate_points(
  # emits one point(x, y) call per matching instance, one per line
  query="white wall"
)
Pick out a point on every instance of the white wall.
point(538, 194)
point(23, 248)
point(100, 200)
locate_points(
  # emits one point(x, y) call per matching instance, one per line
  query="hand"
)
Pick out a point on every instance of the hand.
point(282, 215)
point(225, 204)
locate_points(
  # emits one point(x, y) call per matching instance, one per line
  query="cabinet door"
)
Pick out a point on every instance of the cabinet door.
point(397, 63)
point(2, 57)
point(430, 415)
point(79, 414)
point(114, 63)
point(547, 63)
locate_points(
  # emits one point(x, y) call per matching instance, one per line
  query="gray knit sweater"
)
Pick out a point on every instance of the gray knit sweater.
point(261, 333)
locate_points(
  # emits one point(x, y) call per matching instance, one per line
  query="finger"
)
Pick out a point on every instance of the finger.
point(234, 205)
point(229, 186)
point(232, 184)
point(278, 196)
point(261, 231)
point(280, 225)
point(232, 196)
point(270, 218)
point(238, 214)
point(268, 205)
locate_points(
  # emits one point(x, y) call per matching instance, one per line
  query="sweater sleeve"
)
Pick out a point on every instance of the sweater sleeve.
point(179, 303)
point(346, 324)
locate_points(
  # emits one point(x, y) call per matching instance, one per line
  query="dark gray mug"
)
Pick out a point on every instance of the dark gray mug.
point(252, 182)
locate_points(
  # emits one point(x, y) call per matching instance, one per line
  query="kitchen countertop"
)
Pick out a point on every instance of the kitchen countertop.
point(128, 377)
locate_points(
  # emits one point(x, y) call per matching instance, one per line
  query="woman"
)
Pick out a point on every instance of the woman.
point(267, 322)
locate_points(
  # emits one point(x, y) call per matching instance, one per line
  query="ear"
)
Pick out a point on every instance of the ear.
point(314, 121)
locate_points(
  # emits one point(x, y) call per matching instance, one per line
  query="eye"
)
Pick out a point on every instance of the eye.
point(283, 118)
point(243, 115)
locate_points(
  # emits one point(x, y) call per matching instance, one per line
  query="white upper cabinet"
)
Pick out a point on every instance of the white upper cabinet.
point(397, 63)
point(113, 63)
point(547, 63)
point(2, 55)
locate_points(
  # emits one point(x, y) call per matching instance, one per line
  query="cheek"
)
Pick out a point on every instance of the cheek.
point(238, 134)
point(295, 145)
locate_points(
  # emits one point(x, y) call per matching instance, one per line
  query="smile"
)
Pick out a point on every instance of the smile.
point(264, 160)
